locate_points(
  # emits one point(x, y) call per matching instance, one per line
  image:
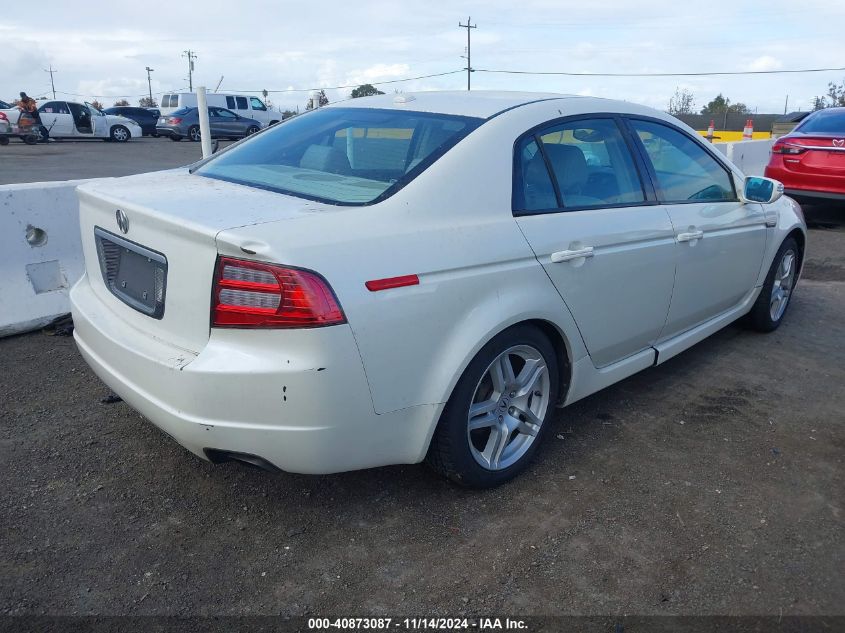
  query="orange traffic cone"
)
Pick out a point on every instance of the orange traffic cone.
point(748, 130)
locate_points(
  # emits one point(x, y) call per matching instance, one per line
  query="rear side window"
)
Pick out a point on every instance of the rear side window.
point(589, 163)
point(242, 103)
point(350, 156)
point(230, 103)
point(824, 122)
point(685, 171)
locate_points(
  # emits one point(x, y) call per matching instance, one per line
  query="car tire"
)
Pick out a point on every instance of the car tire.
point(252, 129)
point(4, 140)
point(770, 307)
point(120, 134)
point(194, 133)
point(495, 419)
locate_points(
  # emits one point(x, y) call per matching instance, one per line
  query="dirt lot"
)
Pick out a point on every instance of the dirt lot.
point(712, 484)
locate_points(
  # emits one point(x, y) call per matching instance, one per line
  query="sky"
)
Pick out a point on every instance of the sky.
point(102, 50)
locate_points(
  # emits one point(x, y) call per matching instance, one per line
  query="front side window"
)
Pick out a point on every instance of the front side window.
point(257, 104)
point(685, 171)
point(350, 156)
point(589, 163)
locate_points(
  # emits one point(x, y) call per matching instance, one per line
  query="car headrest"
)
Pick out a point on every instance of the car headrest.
point(569, 166)
point(325, 158)
point(538, 191)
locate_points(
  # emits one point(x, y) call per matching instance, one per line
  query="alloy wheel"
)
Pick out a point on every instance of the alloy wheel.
point(508, 407)
point(782, 287)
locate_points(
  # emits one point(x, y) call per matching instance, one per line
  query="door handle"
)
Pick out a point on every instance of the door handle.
point(690, 236)
point(565, 256)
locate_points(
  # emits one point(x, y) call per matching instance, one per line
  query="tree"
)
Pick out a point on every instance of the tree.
point(121, 102)
point(148, 102)
point(835, 97)
point(286, 114)
point(366, 90)
point(682, 102)
point(97, 104)
point(721, 105)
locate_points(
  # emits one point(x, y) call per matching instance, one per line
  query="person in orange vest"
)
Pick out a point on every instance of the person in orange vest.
point(27, 104)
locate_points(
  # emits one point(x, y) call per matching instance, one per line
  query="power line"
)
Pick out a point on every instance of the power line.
point(701, 74)
point(469, 28)
point(372, 83)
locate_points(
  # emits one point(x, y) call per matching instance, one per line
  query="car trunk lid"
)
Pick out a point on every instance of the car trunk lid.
point(150, 245)
point(822, 153)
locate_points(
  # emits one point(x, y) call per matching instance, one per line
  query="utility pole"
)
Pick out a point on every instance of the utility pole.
point(468, 27)
point(785, 104)
point(51, 71)
point(191, 57)
point(150, 84)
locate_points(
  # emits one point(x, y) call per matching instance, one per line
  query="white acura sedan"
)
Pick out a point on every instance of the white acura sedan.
point(421, 277)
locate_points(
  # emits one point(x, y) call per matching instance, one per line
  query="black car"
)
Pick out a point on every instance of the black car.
point(145, 117)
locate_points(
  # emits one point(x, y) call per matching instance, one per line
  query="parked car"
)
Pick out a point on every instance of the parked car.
point(5, 105)
point(421, 277)
point(67, 119)
point(244, 105)
point(5, 128)
point(146, 118)
point(185, 123)
point(810, 160)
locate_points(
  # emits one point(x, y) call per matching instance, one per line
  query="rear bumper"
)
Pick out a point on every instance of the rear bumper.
point(812, 185)
point(298, 399)
point(167, 131)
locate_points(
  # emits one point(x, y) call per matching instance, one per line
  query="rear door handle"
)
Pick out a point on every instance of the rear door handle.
point(690, 236)
point(565, 256)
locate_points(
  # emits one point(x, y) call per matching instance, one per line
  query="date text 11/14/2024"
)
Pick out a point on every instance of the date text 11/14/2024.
point(418, 624)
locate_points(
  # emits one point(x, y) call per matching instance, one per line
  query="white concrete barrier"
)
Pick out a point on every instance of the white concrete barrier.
point(40, 253)
point(750, 156)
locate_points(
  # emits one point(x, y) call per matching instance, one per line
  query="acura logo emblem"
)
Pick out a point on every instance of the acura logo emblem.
point(122, 221)
point(839, 142)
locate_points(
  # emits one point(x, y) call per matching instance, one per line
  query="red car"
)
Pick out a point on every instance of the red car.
point(810, 160)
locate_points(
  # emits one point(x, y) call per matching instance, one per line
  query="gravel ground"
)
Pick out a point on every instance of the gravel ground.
point(712, 484)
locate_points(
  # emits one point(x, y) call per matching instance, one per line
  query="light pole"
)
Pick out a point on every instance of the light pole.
point(150, 84)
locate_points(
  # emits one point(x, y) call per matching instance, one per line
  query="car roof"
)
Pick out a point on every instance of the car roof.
point(476, 103)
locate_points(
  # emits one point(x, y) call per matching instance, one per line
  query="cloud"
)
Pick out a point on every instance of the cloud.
point(765, 62)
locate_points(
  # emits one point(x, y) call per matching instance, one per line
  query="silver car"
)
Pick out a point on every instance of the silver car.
point(185, 123)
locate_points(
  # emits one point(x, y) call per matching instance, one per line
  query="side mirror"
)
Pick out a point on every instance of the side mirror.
point(763, 190)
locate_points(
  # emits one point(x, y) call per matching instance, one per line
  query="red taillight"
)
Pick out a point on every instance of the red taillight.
point(174, 119)
point(785, 147)
point(248, 294)
point(3, 117)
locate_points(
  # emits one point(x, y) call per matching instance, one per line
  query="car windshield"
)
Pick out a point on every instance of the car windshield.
point(824, 122)
point(348, 156)
point(181, 111)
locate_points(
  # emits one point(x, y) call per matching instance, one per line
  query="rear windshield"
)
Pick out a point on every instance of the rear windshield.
point(181, 111)
point(350, 156)
point(824, 122)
